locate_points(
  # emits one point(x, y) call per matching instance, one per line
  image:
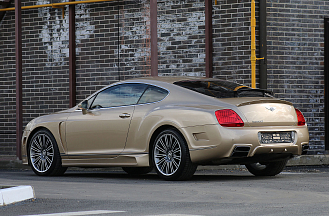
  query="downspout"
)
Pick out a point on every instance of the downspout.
point(263, 44)
point(208, 37)
point(154, 37)
point(253, 45)
point(326, 82)
point(19, 83)
point(72, 56)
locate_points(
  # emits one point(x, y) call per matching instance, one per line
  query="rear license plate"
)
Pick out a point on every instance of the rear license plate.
point(275, 137)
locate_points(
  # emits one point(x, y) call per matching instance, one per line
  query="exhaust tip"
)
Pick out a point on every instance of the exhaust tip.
point(240, 151)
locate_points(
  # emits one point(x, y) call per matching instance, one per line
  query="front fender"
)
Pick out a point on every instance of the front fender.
point(54, 123)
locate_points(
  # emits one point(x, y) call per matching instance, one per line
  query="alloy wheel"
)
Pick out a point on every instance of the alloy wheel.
point(167, 154)
point(42, 152)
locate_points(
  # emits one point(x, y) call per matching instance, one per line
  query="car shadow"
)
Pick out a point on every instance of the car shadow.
point(154, 177)
point(92, 175)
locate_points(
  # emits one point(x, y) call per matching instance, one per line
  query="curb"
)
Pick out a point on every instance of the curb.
point(303, 160)
point(11, 162)
point(10, 195)
point(309, 160)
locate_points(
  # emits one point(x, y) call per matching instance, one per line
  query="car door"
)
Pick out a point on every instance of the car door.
point(102, 131)
point(140, 125)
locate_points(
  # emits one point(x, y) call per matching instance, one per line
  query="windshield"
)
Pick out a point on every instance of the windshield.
point(222, 89)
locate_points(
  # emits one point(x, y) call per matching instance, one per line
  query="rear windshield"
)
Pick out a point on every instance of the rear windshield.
point(222, 89)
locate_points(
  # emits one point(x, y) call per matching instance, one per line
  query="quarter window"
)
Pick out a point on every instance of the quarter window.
point(153, 94)
point(119, 95)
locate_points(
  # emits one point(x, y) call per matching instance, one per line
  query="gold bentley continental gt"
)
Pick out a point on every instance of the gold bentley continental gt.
point(170, 124)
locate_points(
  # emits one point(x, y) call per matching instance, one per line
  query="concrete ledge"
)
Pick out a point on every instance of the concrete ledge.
point(303, 160)
point(10, 195)
point(309, 160)
point(11, 162)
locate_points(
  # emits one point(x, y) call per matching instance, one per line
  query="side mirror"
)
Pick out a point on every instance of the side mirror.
point(84, 107)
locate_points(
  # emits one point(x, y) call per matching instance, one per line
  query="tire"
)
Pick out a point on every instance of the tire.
point(43, 154)
point(266, 169)
point(170, 156)
point(137, 170)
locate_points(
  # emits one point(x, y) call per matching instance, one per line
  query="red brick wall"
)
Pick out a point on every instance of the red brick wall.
point(113, 38)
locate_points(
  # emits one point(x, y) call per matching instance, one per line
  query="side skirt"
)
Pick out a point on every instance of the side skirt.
point(127, 160)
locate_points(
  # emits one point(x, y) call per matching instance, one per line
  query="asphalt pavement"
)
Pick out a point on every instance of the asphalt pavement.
point(296, 191)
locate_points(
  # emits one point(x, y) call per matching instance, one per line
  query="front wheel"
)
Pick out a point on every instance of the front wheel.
point(266, 169)
point(43, 154)
point(171, 157)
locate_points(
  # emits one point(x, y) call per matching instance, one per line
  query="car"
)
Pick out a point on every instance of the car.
point(170, 124)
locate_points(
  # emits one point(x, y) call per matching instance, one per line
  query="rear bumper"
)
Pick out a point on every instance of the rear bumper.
point(213, 142)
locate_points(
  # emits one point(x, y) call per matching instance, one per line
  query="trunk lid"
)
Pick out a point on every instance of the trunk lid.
point(266, 111)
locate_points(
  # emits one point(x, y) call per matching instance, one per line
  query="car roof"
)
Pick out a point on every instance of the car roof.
point(171, 79)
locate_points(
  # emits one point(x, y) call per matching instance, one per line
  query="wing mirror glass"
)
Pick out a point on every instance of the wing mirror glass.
point(83, 106)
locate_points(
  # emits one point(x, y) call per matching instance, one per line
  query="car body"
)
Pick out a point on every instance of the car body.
point(171, 124)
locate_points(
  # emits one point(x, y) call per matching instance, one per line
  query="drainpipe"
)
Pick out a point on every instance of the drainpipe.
point(154, 37)
point(19, 101)
point(253, 45)
point(326, 82)
point(263, 44)
point(208, 35)
point(72, 56)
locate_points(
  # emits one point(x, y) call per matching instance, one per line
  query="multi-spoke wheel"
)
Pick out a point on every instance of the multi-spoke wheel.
point(170, 156)
point(44, 156)
point(266, 169)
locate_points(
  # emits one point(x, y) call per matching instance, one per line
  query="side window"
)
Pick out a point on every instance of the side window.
point(119, 95)
point(153, 94)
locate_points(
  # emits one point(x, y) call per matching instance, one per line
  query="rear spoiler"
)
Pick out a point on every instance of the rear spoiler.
point(264, 100)
point(263, 91)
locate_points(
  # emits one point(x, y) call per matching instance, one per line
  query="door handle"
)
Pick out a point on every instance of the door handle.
point(124, 115)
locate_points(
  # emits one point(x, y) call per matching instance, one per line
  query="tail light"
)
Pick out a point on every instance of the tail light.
point(300, 118)
point(228, 118)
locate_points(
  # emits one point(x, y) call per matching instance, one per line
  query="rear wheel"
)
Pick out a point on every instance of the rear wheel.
point(171, 157)
point(266, 169)
point(137, 170)
point(44, 156)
